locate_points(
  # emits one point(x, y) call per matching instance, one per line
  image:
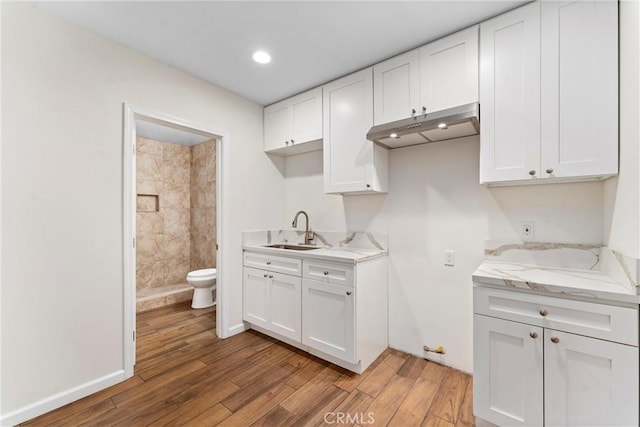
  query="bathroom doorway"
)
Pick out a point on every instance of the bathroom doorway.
point(173, 193)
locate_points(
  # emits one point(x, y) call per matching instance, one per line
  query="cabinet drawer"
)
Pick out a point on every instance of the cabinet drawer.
point(607, 322)
point(279, 264)
point(330, 272)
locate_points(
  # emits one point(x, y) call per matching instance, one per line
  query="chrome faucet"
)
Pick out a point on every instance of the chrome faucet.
point(308, 235)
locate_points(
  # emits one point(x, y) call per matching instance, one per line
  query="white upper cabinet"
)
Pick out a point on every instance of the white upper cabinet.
point(294, 125)
point(396, 87)
point(510, 95)
point(579, 99)
point(352, 164)
point(449, 71)
point(439, 75)
point(549, 93)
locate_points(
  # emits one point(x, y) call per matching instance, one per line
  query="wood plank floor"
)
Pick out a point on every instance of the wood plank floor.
point(185, 375)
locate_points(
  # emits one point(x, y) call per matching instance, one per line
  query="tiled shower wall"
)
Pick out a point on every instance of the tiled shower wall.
point(163, 217)
point(176, 211)
point(203, 205)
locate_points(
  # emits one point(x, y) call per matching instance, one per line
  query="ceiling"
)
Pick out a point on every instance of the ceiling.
point(310, 42)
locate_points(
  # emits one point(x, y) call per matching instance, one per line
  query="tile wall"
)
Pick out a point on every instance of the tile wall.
point(203, 205)
point(175, 215)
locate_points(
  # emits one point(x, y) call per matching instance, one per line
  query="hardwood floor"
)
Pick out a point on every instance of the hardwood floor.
point(185, 375)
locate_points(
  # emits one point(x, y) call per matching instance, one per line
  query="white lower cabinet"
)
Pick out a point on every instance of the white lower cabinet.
point(531, 375)
point(334, 310)
point(507, 372)
point(329, 318)
point(273, 301)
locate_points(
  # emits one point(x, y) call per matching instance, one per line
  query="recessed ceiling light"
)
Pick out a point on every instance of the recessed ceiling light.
point(261, 57)
point(442, 125)
point(393, 135)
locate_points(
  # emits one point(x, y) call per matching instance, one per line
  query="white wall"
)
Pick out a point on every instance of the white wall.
point(622, 193)
point(62, 277)
point(435, 203)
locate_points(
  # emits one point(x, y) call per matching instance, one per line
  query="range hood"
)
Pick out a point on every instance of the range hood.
point(431, 127)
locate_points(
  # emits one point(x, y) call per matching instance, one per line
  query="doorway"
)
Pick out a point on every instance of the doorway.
point(148, 128)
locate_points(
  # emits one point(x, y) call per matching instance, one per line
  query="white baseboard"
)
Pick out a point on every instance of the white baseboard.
point(237, 329)
point(60, 399)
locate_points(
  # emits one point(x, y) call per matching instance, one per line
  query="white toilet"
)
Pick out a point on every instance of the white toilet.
point(203, 282)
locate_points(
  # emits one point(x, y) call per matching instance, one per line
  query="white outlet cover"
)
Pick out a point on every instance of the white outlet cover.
point(526, 229)
point(449, 258)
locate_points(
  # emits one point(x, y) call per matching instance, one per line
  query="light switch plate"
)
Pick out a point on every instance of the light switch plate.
point(449, 258)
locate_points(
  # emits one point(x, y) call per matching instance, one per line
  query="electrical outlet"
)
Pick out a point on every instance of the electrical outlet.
point(526, 229)
point(449, 258)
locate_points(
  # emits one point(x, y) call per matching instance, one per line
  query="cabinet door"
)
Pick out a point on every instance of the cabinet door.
point(510, 96)
point(285, 305)
point(396, 88)
point(449, 71)
point(507, 372)
point(306, 110)
point(589, 382)
point(256, 297)
point(579, 88)
point(277, 125)
point(328, 320)
point(349, 158)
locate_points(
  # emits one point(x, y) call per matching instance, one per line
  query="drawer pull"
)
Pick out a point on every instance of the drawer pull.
point(533, 335)
point(326, 273)
point(555, 340)
point(268, 262)
point(270, 276)
point(543, 313)
point(265, 274)
point(348, 292)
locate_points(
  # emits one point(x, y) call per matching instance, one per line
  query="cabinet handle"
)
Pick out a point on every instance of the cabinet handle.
point(270, 276)
point(368, 185)
point(286, 143)
point(424, 110)
point(550, 170)
point(555, 340)
point(413, 111)
point(533, 335)
point(543, 313)
point(348, 292)
point(268, 262)
point(292, 142)
point(532, 172)
point(265, 274)
point(326, 273)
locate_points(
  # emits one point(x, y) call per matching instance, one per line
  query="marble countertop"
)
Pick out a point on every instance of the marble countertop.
point(554, 280)
point(346, 255)
point(347, 247)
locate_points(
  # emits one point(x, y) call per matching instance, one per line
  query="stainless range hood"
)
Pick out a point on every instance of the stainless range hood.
point(432, 127)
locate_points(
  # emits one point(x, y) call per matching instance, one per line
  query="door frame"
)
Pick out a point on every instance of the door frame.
point(131, 114)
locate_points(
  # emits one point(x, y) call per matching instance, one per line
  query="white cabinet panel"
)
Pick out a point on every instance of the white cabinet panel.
point(396, 87)
point(510, 95)
point(275, 263)
point(294, 125)
point(449, 71)
point(285, 306)
point(306, 110)
point(331, 272)
point(328, 323)
point(352, 164)
point(255, 308)
point(580, 87)
point(589, 382)
point(508, 372)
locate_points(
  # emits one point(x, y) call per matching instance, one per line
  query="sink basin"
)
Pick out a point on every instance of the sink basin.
point(292, 247)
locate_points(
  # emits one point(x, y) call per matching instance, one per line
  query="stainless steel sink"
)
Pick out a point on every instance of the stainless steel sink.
point(291, 247)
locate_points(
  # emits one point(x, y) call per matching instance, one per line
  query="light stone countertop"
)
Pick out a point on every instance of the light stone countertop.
point(554, 280)
point(346, 247)
point(345, 255)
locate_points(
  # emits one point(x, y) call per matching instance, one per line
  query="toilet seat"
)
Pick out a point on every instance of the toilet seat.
point(205, 273)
